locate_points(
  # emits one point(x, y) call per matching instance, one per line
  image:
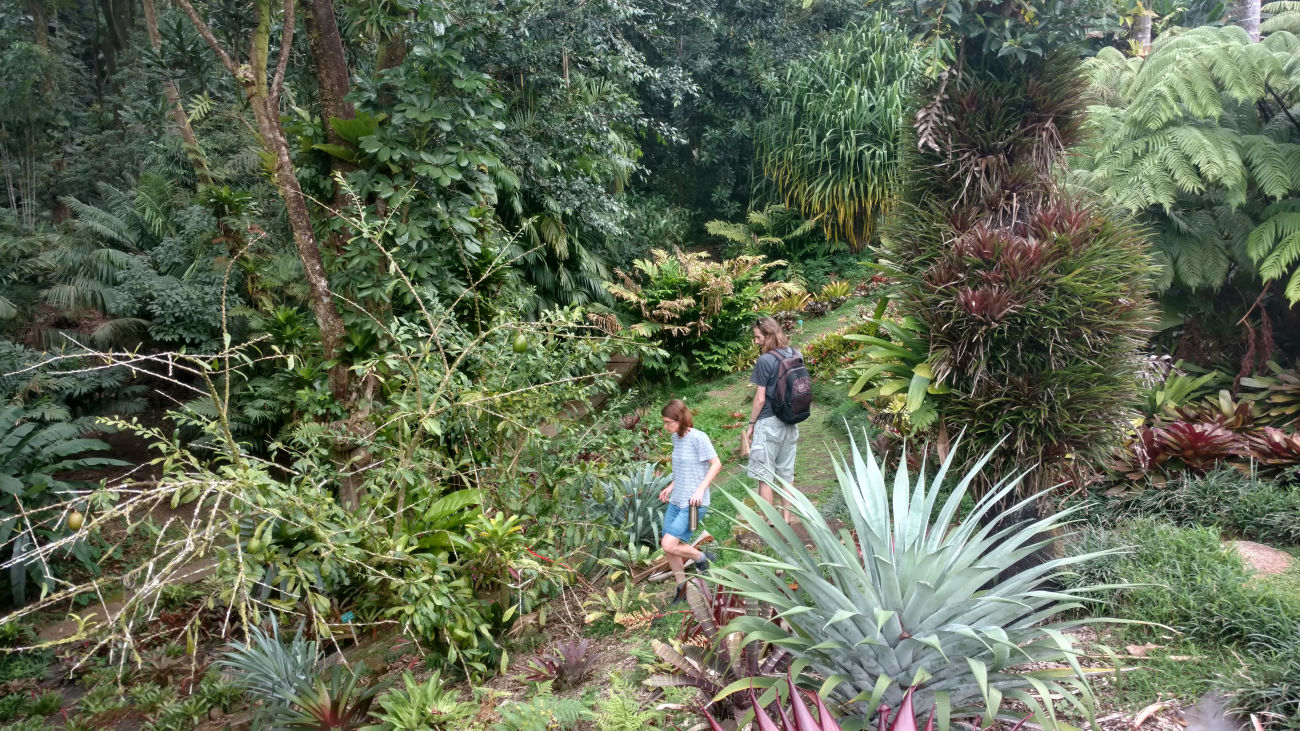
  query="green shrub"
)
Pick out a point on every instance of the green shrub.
point(913, 598)
point(45, 704)
point(185, 715)
point(30, 664)
point(827, 355)
point(1273, 687)
point(148, 697)
point(1239, 504)
point(1032, 302)
point(12, 706)
point(420, 706)
point(700, 312)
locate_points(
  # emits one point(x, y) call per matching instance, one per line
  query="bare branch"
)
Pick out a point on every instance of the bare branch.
point(286, 46)
point(206, 32)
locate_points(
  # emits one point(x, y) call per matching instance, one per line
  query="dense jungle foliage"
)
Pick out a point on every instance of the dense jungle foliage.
point(334, 325)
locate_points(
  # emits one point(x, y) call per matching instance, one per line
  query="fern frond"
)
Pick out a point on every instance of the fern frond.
point(1275, 243)
point(102, 222)
point(737, 232)
point(1285, 16)
point(1271, 164)
point(118, 331)
point(199, 107)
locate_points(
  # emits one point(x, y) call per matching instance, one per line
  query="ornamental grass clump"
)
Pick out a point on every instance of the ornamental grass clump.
point(912, 597)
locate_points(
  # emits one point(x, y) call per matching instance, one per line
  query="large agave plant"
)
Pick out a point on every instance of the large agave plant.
point(912, 599)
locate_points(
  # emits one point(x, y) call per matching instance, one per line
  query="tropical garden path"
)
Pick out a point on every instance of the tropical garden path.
point(721, 407)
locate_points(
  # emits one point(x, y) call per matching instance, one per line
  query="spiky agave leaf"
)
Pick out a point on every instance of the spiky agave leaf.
point(268, 668)
point(911, 598)
point(336, 701)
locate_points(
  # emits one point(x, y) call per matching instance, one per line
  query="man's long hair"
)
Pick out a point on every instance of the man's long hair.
point(773, 334)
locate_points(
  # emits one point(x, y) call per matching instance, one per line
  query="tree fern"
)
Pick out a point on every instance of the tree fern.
point(1285, 16)
point(1192, 138)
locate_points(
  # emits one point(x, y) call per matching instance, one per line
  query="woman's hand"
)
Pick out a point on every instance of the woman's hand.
point(665, 494)
point(698, 497)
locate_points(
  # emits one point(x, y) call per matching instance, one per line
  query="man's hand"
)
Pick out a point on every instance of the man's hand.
point(698, 497)
point(665, 494)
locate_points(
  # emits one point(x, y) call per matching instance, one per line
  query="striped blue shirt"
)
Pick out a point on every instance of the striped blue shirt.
point(691, 455)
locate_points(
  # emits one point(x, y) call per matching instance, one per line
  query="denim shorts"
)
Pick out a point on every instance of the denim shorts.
point(677, 521)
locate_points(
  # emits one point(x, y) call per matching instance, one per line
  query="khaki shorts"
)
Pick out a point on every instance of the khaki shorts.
point(772, 452)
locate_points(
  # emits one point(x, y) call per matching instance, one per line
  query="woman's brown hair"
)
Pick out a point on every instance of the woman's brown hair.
point(773, 334)
point(678, 411)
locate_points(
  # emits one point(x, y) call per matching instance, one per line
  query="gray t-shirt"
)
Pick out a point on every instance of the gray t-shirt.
point(691, 455)
point(765, 370)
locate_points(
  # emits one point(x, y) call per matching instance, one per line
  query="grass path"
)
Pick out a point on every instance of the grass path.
point(721, 409)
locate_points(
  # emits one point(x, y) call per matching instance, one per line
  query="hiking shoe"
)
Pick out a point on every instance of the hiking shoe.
point(702, 563)
point(680, 596)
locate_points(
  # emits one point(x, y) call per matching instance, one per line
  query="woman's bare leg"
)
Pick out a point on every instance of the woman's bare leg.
point(678, 552)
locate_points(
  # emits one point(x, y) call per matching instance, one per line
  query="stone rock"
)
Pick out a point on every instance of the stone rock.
point(1263, 559)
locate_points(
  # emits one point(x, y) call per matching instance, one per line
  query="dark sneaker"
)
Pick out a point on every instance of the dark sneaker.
point(704, 561)
point(680, 596)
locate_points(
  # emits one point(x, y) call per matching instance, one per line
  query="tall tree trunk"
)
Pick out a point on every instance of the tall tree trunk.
point(304, 237)
point(40, 23)
point(59, 211)
point(331, 63)
point(1246, 14)
point(173, 95)
point(334, 80)
point(264, 101)
point(1142, 30)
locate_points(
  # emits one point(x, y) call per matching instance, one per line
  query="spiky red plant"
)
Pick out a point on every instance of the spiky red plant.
point(567, 667)
point(1141, 454)
point(1274, 448)
point(800, 717)
point(723, 606)
point(1198, 445)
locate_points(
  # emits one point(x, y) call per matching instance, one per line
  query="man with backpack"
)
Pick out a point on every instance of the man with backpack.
point(783, 399)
